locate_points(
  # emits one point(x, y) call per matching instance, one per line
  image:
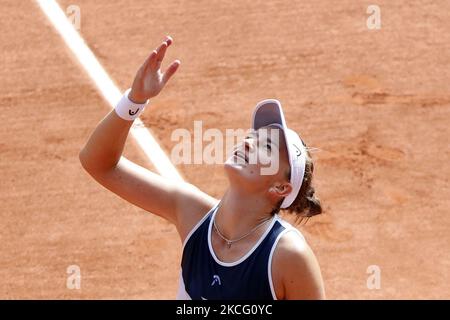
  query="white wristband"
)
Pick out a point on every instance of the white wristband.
point(127, 109)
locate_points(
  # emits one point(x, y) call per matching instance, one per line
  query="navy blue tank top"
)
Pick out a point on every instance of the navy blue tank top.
point(204, 276)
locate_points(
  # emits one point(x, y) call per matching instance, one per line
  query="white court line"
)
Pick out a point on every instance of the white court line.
point(107, 87)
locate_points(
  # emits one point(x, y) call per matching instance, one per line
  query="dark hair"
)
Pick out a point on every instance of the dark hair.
point(306, 204)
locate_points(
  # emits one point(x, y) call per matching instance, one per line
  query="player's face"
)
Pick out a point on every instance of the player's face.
point(260, 160)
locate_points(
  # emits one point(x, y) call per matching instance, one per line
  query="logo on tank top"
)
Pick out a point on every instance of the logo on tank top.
point(216, 279)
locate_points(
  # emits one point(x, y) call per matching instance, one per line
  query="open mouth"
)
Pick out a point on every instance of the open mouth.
point(241, 155)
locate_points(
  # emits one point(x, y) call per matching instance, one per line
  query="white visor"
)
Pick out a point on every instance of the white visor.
point(269, 112)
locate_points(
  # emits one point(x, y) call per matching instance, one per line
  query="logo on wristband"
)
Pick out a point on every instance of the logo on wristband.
point(131, 113)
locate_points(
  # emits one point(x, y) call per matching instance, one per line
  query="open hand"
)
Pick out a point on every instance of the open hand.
point(149, 80)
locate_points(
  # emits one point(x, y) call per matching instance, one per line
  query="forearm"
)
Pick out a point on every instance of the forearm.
point(104, 147)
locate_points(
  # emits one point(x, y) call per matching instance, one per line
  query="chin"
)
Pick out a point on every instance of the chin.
point(233, 167)
point(241, 173)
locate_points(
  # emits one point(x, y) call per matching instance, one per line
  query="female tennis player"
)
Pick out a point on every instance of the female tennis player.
point(235, 248)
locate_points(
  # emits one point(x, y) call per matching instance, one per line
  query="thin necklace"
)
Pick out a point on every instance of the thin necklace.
point(230, 242)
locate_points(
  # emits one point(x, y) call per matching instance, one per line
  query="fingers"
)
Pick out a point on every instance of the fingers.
point(169, 40)
point(161, 51)
point(170, 71)
point(160, 55)
point(149, 60)
point(157, 55)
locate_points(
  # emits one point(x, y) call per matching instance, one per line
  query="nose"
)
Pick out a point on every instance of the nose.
point(249, 144)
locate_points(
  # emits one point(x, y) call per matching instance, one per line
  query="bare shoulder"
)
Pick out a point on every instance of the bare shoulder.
point(295, 269)
point(192, 205)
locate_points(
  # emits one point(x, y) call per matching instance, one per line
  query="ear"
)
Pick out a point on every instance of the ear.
point(281, 190)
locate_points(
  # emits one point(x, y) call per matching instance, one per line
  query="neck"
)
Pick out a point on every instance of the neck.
point(239, 212)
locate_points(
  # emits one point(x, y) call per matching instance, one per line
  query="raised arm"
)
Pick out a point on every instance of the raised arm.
point(180, 203)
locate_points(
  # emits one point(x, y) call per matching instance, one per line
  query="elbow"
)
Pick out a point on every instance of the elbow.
point(94, 165)
point(84, 160)
point(88, 162)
